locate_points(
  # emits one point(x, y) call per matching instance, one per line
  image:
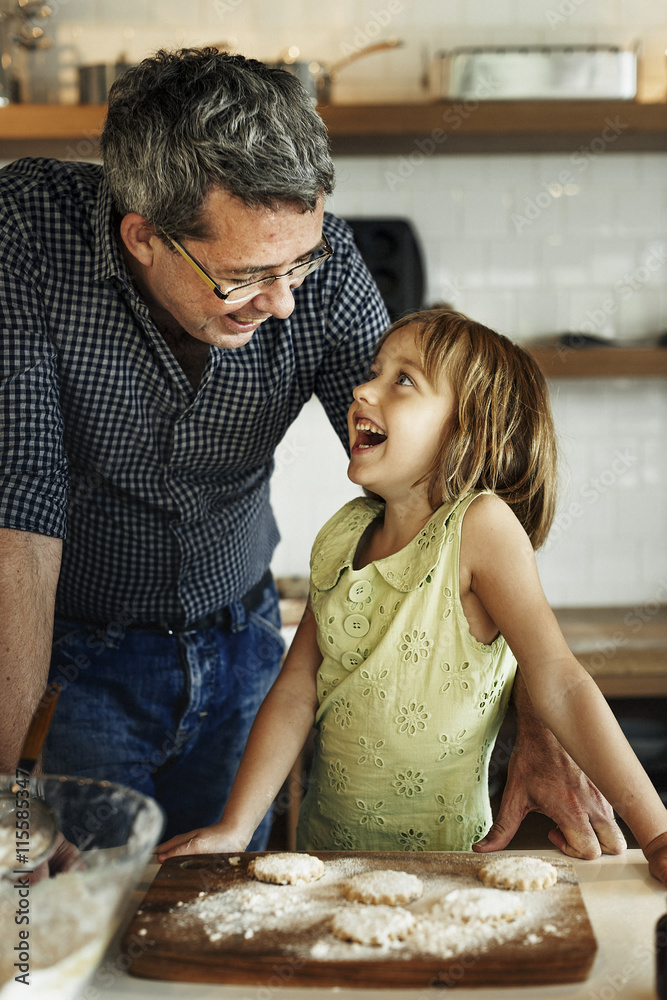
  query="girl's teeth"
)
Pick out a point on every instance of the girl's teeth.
point(366, 425)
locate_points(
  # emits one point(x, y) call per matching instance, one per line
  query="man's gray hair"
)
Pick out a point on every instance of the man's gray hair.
point(181, 122)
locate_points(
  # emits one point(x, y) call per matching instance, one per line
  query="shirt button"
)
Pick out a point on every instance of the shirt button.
point(351, 660)
point(356, 625)
point(360, 590)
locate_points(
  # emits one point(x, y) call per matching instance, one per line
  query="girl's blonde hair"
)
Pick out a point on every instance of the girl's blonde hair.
point(501, 436)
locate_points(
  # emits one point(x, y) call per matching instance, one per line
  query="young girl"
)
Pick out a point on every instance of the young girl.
point(424, 597)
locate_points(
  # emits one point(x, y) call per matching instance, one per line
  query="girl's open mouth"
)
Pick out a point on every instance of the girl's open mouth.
point(368, 434)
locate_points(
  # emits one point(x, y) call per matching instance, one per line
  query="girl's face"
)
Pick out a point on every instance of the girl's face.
point(397, 421)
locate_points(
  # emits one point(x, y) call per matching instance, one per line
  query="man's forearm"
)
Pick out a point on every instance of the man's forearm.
point(29, 570)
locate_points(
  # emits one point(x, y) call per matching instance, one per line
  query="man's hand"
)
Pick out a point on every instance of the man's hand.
point(543, 778)
point(549, 782)
point(65, 857)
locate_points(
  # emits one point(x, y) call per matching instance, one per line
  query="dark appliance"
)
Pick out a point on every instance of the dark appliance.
point(391, 252)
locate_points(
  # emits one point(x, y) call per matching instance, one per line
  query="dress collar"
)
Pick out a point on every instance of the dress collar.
point(404, 571)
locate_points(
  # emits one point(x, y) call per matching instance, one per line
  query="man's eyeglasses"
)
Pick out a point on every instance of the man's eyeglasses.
point(241, 293)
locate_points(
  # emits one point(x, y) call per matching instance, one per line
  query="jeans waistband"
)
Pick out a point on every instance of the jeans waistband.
point(222, 618)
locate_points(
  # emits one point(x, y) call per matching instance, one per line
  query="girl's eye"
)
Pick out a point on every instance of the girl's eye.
point(404, 379)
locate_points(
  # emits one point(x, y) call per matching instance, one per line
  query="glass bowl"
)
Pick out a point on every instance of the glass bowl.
point(55, 930)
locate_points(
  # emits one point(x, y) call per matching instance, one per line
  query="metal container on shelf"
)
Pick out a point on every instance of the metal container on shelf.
point(95, 80)
point(573, 72)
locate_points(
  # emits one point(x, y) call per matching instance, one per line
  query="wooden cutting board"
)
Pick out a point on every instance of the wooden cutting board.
point(205, 920)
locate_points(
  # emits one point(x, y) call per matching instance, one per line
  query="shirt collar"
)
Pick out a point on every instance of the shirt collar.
point(404, 571)
point(108, 259)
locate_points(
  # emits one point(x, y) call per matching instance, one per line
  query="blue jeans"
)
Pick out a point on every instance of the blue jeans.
point(168, 715)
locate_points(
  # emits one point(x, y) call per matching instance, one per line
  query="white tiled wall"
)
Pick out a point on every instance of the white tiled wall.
point(595, 260)
point(505, 241)
point(531, 245)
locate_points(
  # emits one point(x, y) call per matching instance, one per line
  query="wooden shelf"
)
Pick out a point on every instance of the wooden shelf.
point(601, 362)
point(436, 126)
point(624, 648)
point(63, 131)
point(497, 127)
point(51, 121)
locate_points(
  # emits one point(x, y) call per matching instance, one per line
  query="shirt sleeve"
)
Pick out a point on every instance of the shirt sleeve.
point(357, 317)
point(33, 489)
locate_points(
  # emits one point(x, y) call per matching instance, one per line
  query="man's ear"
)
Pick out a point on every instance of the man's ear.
point(136, 233)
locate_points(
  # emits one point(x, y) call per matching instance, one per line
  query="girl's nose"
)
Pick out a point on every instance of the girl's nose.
point(366, 391)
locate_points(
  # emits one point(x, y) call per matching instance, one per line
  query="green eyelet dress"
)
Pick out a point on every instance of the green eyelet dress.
point(410, 704)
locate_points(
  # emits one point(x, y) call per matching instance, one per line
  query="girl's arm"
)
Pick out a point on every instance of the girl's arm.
point(542, 777)
point(275, 741)
point(503, 575)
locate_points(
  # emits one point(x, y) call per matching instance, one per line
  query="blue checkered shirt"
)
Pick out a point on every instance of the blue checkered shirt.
point(161, 491)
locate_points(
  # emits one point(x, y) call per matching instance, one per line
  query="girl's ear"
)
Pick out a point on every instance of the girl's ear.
point(136, 233)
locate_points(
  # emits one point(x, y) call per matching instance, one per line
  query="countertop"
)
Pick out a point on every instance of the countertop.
point(623, 903)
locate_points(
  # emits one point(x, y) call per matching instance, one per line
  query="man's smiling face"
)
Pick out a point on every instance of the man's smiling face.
point(246, 243)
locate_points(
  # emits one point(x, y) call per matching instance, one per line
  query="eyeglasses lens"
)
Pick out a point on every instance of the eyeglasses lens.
point(299, 271)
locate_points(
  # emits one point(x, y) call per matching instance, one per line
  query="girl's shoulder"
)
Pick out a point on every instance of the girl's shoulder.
point(490, 524)
point(489, 508)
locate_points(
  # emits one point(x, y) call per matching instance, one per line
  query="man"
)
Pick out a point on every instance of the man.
point(165, 318)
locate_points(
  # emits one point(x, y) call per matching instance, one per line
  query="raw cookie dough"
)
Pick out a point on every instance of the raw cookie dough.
point(390, 888)
point(286, 869)
point(468, 905)
point(372, 924)
point(518, 873)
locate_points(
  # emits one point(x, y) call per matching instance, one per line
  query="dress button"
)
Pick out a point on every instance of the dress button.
point(356, 625)
point(360, 590)
point(351, 660)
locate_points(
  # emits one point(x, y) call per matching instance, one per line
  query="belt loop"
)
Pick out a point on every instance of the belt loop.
point(237, 614)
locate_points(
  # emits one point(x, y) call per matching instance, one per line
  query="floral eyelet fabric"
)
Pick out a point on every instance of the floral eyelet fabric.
point(410, 704)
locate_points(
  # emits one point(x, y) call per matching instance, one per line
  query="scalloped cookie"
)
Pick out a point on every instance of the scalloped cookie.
point(523, 874)
point(376, 925)
point(286, 869)
point(469, 905)
point(383, 887)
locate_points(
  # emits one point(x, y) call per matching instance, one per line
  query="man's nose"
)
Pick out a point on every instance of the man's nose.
point(277, 299)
